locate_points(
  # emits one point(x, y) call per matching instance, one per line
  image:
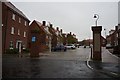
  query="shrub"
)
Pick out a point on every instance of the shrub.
point(26, 50)
point(12, 51)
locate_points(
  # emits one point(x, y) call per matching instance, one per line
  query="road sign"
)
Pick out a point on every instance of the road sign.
point(33, 39)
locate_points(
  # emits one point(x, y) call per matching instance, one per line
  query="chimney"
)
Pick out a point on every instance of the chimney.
point(57, 28)
point(116, 28)
point(61, 30)
point(51, 25)
point(44, 23)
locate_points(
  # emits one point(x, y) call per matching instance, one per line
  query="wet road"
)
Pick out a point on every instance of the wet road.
point(70, 64)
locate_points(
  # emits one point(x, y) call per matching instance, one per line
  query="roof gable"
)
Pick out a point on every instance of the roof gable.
point(11, 6)
point(42, 27)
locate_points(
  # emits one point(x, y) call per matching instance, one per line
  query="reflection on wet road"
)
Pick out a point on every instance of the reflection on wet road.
point(70, 64)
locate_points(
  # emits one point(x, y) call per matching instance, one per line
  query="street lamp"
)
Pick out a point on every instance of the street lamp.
point(97, 17)
point(105, 32)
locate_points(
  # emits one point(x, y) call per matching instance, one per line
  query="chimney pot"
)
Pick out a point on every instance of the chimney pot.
point(116, 28)
point(61, 30)
point(57, 28)
point(44, 23)
point(51, 25)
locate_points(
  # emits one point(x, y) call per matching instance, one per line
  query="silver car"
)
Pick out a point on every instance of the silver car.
point(70, 46)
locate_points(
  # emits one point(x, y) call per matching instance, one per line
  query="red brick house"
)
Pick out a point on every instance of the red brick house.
point(88, 42)
point(64, 38)
point(118, 34)
point(43, 34)
point(103, 41)
point(116, 48)
point(57, 31)
point(54, 36)
point(71, 38)
point(112, 38)
point(15, 27)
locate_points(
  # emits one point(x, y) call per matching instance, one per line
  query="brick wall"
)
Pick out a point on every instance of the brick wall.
point(8, 23)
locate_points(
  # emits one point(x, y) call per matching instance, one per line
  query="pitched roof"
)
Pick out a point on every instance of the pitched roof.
point(103, 37)
point(11, 6)
point(111, 34)
point(42, 27)
point(53, 31)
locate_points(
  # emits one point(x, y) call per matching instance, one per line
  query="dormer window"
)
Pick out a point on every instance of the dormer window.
point(13, 16)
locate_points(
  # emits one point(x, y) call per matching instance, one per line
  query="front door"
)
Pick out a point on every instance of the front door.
point(19, 46)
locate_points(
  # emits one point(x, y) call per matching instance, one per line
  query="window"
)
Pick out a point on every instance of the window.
point(46, 37)
point(23, 46)
point(24, 34)
point(18, 32)
point(47, 29)
point(47, 43)
point(11, 44)
point(19, 20)
point(13, 16)
point(25, 23)
point(12, 30)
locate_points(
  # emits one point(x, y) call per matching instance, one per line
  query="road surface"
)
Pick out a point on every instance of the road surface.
point(69, 64)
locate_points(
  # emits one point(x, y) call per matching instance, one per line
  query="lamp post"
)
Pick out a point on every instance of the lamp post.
point(97, 17)
point(96, 51)
point(105, 32)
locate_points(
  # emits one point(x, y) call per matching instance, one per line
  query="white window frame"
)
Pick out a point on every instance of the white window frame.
point(11, 44)
point(12, 30)
point(47, 37)
point(24, 34)
point(25, 23)
point(18, 32)
point(13, 16)
point(24, 47)
point(2, 25)
point(18, 42)
point(19, 20)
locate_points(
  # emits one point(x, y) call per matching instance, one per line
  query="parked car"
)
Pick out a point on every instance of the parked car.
point(108, 46)
point(59, 48)
point(70, 46)
point(77, 45)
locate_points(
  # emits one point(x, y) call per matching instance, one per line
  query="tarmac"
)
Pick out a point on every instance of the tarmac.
point(110, 64)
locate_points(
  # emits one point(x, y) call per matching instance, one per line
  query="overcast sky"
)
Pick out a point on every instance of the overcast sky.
point(75, 17)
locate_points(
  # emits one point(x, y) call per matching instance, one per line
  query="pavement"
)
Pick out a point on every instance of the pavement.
point(110, 64)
